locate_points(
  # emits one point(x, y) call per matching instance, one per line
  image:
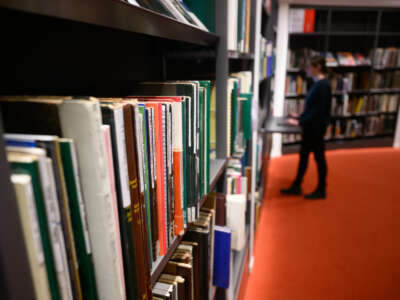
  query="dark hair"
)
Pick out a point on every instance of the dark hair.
point(316, 60)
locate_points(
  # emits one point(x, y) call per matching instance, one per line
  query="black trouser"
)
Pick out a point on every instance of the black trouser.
point(315, 143)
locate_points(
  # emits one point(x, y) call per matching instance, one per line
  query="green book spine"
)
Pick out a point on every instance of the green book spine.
point(201, 139)
point(141, 109)
point(184, 153)
point(82, 246)
point(246, 116)
point(32, 169)
point(207, 86)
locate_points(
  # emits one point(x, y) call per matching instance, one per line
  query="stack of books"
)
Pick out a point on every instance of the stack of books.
point(295, 106)
point(343, 83)
point(107, 185)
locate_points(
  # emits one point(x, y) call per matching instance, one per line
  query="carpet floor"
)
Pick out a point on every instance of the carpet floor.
point(345, 247)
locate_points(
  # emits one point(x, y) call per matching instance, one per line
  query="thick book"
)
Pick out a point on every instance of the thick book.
point(201, 236)
point(28, 164)
point(79, 119)
point(32, 236)
point(222, 252)
point(113, 115)
point(236, 219)
point(78, 218)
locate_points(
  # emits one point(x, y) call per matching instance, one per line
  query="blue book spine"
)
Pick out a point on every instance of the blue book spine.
point(222, 256)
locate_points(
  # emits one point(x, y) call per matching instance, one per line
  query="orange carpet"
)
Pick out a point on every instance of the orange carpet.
point(345, 247)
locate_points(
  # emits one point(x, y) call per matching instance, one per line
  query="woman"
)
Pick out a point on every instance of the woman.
point(314, 121)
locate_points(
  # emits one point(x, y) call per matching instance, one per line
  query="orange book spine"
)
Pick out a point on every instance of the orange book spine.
point(309, 20)
point(160, 179)
point(178, 211)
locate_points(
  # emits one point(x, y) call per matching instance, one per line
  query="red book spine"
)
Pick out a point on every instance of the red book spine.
point(309, 20)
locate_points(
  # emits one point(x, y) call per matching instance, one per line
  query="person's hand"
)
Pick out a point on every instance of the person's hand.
point(292, 122)
point(293, 115)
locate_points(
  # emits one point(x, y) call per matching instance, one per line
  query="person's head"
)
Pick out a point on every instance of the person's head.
point(317, 65)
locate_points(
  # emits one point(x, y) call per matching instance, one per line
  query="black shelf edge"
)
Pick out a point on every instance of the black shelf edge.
point(156, 272)
point(217, 167)
point(335, 68)
point(347, 139)
point(115, 14)
point(240, 55)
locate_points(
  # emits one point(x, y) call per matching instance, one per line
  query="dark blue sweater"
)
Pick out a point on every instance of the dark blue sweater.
point(317, 112)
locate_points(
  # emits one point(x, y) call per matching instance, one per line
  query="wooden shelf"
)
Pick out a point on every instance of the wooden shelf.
point(115, 14)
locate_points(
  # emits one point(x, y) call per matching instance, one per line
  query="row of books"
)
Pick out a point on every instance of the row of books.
point(351, 105)
point(347, 106)
point(342, 83)
point(387, 57)
point(109, 210)
point(267, 58)
point(301, 20)
point(389, 80)
point(298, 58)
point(295, 85)
point(353, 128)
point(176, 9)
point(238, 31)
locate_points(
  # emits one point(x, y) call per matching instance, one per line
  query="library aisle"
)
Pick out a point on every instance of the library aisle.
point(345, 247)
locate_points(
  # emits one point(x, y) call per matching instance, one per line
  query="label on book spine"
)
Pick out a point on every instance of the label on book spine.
point(122, 160)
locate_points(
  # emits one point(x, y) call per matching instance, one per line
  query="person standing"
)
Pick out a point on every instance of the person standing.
point(314, 122)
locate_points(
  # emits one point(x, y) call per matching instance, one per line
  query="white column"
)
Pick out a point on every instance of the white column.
point(280, 71)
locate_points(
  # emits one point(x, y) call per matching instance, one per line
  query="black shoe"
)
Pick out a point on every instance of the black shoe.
point(317, 194)
point(293, 190)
